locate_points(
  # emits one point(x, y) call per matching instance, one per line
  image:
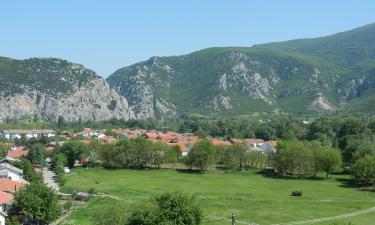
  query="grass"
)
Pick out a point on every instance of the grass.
point(252, 197)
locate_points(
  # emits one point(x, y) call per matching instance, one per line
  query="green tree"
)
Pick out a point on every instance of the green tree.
point(240, 150)
point(167, 209)
point(28, 172)
point(36, 154)
point(145, 214)
point(201, 155)
point(113, 213)
point(363, 170)
point(200, 133)
point(328, 159)
point(294, 157)
point(12, 221)
point(178, 209)
point(38, 203)
point(74, 150)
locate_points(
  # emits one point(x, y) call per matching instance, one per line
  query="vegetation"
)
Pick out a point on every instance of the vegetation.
point(250, 195)
point(363, 170)
point(49, 76)
point(301, 159)
point(74, 150)
point(201, 155)
point(38, 203)
point(137, 153)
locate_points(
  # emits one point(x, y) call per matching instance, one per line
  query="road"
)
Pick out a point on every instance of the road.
point(49, 179)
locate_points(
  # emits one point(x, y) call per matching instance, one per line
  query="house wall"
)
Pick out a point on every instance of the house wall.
point(14, 176)
point(2, 220)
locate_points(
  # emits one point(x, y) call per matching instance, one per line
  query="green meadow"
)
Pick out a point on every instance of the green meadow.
point(251, 196)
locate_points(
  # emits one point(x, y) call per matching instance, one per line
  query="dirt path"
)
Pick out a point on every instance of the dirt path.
point(63, 217)
point(312, 221)
point(49, 179)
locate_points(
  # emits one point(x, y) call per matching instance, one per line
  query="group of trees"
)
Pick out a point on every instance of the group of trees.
point(166, 209)
point(137, 153)
point(305, 159)
point(127, 153)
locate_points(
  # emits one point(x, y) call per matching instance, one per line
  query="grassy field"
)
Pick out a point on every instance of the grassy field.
point(252, 197)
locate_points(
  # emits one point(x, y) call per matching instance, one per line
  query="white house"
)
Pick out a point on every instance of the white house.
point(3, 217)
point(17, 134)
point(6, 201)
point(9, 171)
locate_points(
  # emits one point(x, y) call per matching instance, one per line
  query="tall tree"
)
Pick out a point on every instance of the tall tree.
point(201, 155)
point(38, 203)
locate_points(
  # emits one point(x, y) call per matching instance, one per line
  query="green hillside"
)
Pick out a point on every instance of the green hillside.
point(46, 75)
point(307, 76)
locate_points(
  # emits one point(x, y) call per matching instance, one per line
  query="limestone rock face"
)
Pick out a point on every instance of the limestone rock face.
point(51, 88)
point(93, 102)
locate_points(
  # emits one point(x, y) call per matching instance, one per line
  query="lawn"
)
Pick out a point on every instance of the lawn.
point(252, 197)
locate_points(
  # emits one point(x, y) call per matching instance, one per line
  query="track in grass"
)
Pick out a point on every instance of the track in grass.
point(330, 218)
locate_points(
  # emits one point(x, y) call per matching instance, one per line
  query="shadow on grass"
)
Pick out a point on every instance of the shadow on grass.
point(287, 177)
point(350, 183)
point(190, 171)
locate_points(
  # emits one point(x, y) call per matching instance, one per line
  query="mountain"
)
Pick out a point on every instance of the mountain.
point(307, 76)
point(51, 88)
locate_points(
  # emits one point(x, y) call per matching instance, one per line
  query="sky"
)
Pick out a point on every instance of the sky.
point(107, 35)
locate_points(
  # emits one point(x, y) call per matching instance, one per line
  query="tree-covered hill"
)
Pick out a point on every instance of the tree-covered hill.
point(308, 76)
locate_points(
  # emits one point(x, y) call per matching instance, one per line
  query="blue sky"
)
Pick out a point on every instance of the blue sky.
point(107, 35)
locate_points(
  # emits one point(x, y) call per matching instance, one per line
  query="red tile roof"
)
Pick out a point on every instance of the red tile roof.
point(17, 153)
point(254, 141)
point(108, 139)
point(152, 135)
point(5, 197)
point(167, 137)
point(86, 131)
point(220, 142)
point(8, 185)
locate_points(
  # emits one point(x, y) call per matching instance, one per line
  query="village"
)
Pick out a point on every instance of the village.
point(12, 179)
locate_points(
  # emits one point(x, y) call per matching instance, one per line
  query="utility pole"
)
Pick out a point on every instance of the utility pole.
point(233, 219)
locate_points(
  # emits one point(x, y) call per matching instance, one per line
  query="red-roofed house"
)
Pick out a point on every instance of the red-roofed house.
point(220, 142)
point(10, 186)
point(6, 200)
point(168, 137)
point(152, 135)
point(17, 153)
point(87, 132)
point(108, 139)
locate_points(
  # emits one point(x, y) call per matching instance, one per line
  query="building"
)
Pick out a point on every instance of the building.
point(17, 134)
point(17, 152)
point(108, 139)
point(6, 201)
point(10, 172)
point(3, 217)
point(10, 186)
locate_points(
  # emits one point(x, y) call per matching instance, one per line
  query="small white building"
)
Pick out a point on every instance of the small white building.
point(9, 171)
point(3, 217)
point(17, 134)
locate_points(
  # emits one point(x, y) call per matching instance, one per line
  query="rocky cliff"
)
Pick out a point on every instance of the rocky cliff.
point(53, 88)
point(307, 76)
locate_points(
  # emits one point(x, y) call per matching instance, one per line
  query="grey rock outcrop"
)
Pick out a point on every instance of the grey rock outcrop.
point(94, 101)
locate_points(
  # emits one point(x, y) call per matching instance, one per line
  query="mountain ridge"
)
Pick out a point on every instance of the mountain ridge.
point(271, 76)
point(52, 88)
